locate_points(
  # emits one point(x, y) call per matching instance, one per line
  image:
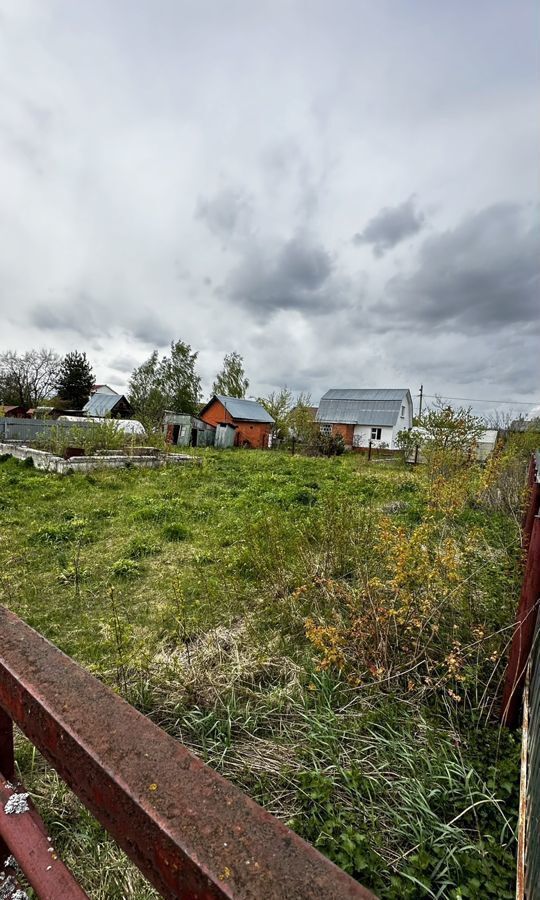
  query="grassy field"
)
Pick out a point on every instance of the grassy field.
point(327, 633)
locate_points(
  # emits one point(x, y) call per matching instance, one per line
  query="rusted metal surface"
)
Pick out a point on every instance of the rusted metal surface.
point(7, 753)
point(531, 774)
point(522, 639)
point(27, 839)
point(533, 506)
point(191, 832)
point(7, 763)
point(523, 788)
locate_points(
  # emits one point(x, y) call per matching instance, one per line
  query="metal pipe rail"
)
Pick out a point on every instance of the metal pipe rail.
point(522, 639)
point(190, 831)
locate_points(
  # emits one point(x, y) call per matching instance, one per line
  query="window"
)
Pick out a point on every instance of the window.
point(376, 434)
point(326, 429)
point(402, 412)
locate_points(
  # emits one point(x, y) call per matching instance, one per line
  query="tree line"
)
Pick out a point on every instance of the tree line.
point(37, 376)
point(169, 382)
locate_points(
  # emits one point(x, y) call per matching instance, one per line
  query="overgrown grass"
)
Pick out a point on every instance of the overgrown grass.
point(188, 590)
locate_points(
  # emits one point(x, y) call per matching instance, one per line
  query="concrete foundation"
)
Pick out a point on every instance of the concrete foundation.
point(51, 463)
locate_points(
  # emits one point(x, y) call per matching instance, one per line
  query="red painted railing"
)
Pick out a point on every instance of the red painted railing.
point(523, 636)
point(190, 832)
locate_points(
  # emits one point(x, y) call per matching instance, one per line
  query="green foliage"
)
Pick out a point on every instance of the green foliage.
point(169, 383)
point(446, 437)
point(279, 404)
point(140, 547)
point(231, 381)
point(322, 444)
point(75, 380)
point(91, 437)
point(175, 531)
point(301, 419)
point(126, 568)
point(446, 428)
point(410, 790)
point(407, 441)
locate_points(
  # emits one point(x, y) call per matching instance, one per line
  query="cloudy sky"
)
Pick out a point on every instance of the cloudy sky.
point(345, 192)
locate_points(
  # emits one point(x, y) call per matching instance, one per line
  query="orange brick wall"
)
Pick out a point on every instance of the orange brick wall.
point(253, 433)
point(346, 431)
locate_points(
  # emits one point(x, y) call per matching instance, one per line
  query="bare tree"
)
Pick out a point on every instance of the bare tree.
point(501, 418)
point(28, 378)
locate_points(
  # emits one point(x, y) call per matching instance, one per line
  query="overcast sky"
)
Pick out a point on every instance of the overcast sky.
point(345, 192)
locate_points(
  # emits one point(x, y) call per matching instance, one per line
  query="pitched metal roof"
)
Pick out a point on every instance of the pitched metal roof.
point(362, 406)
point(101, 404)
point(366, 394)
point(247, 410)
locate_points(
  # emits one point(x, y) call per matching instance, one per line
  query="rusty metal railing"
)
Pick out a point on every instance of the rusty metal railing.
point(528, 856)
point(522, 692)
point(190, 831)
point(522, 639)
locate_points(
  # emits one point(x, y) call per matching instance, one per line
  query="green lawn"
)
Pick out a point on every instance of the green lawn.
point(229, 602)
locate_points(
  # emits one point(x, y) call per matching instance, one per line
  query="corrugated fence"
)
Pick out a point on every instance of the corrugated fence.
point(26, 430)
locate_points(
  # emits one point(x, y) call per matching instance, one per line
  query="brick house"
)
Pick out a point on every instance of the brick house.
point(364, 415)
point(251, 422)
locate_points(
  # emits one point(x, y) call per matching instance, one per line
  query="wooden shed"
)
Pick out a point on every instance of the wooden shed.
point(14, 412)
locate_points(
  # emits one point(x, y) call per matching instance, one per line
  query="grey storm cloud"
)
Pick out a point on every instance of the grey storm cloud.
point(151, 329)
point(203, 183)
point(391, 226)
point(87, 318)
point(82, 316)
point(482, 275)
point(227, 214)
point(296, 276)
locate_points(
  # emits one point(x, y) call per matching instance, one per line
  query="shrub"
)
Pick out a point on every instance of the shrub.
point(325, 444)
point(92, 437)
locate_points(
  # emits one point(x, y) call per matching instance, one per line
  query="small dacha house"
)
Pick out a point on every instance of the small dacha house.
point(362, 415)
point(238, 423)
point(114, 406)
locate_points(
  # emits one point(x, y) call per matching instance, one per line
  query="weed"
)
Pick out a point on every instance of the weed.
point(139, 548)
point(126, 568)
point(176, 532)
point(304, 624)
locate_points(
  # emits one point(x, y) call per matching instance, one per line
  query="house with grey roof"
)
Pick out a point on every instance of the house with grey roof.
point(362, 415)
point(238, 422)
point(114, 406)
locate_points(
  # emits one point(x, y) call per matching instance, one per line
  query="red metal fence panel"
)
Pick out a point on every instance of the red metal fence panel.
point(191, 832)
point(26, 836)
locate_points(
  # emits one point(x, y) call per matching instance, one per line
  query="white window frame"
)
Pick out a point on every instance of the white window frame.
point(403, 411)
point(376, 433)
point(326, 428)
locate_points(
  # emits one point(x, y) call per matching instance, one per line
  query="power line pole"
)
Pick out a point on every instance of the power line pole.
point(419, 414)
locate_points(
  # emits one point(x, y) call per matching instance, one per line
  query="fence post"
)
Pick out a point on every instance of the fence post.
point(369, 451)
